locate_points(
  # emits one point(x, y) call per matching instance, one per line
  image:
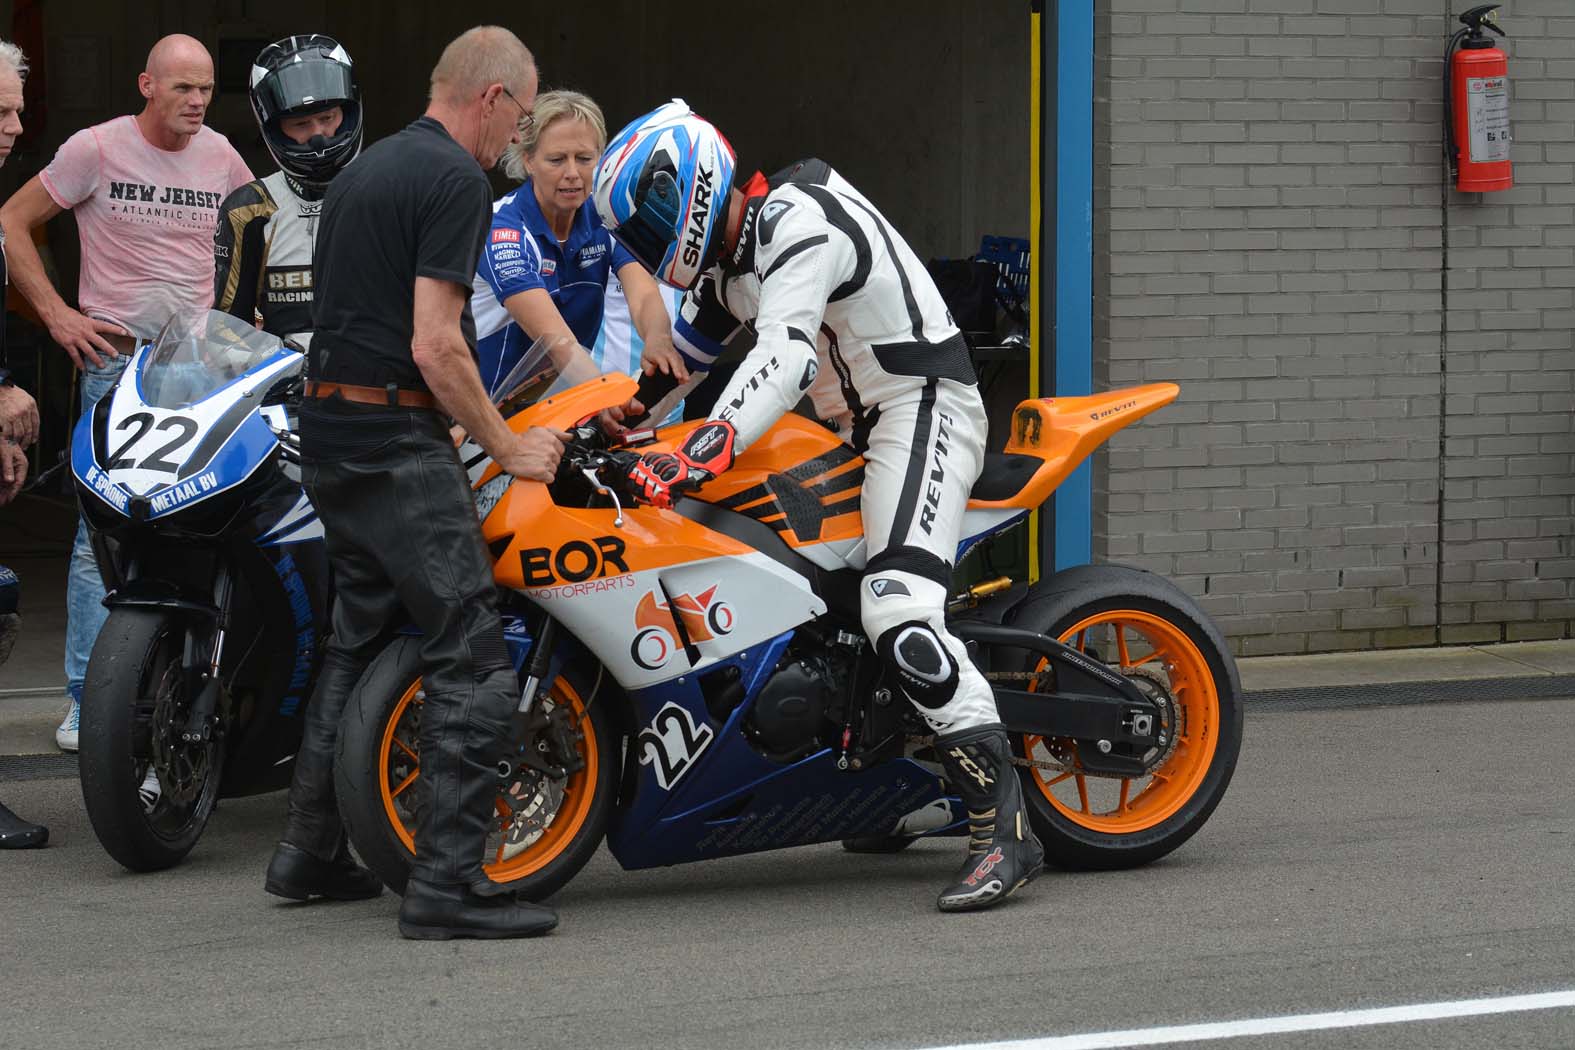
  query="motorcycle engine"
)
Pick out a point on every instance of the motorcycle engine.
point(788, 715)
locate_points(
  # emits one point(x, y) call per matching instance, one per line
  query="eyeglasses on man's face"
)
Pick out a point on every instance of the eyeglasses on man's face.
point(526, 120)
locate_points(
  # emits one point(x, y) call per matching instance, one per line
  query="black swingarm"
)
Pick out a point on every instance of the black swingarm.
point(1114, 722)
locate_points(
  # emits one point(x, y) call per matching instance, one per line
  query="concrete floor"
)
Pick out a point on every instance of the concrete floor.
point(1363, 857)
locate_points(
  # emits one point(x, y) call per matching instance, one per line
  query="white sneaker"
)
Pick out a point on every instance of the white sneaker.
point(66, 732)
point(150, 790)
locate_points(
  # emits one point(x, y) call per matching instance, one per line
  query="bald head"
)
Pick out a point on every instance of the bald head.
point(177, 52)
point(178, 85)
point(479, 58)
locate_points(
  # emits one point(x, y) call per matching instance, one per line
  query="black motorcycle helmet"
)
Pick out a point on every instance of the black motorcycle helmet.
point(298, 76)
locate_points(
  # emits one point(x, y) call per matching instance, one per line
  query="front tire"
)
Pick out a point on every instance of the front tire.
point(534, 850)
point(134, 706)
point(1148, 629)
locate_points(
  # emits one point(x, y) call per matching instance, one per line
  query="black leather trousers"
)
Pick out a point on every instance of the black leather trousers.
point(404, 543)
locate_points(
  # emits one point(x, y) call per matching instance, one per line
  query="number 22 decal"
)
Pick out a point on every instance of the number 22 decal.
point(672, 742)
point(143, 421)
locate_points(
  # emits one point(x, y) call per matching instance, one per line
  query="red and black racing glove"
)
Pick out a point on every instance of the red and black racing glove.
point(660, 477)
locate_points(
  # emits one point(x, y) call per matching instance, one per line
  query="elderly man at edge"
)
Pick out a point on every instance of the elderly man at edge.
point(18, 429)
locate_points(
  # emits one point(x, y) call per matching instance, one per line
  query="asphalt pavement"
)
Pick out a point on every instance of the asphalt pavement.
point(1365, 856)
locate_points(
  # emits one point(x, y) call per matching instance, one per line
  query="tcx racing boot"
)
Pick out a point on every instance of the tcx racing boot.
point(1003, 853)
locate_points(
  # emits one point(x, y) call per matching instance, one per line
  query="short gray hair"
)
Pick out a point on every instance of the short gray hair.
point(12, 56)
point(478, 58)
point(552, 107)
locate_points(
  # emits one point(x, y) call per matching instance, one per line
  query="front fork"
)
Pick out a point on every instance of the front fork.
point(202, 672)
point(538, 740)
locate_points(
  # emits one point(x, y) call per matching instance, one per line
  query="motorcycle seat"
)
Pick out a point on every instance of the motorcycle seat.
point(1003, 476)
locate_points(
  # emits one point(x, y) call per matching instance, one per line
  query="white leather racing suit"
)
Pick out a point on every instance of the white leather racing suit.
point(842, 309)
point(262, 255)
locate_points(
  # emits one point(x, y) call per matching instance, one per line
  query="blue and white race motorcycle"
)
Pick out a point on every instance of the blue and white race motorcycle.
point(188, 472)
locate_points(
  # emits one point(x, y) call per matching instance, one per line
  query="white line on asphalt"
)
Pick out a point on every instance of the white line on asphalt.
point(30, 692)
point(1193, 1033)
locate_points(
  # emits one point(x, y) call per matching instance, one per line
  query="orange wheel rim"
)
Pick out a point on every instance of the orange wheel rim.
point(399, 771)
point(1159, 654)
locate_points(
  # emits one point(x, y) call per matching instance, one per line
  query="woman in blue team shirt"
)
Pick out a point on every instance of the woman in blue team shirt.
point(548, 262)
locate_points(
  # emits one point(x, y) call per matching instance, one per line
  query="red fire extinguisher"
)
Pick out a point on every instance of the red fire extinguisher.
point(1476, 106)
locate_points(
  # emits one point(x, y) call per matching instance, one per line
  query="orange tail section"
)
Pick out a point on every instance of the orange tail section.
point(1064, 431)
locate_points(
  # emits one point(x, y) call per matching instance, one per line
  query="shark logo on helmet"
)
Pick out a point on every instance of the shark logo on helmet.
point(699, 211)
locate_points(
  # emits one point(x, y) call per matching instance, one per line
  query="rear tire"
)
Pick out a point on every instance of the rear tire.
point(138, 656)
point(376, 774)
point(1148, 629)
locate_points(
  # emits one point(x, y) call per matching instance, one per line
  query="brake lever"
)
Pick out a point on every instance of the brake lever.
point(596, 483)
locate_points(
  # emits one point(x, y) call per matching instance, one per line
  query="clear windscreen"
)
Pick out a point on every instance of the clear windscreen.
point(548, 367)
point(199, 353)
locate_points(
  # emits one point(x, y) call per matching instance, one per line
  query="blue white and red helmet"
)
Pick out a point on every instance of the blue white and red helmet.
point(662, 188)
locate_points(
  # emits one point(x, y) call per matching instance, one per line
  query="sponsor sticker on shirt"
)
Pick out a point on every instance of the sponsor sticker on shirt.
point(501, 235)
point(549, 266)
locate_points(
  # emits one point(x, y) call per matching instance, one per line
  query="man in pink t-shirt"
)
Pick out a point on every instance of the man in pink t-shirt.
point(146, 191)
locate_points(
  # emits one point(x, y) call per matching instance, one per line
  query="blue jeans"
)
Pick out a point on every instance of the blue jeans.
point(85, 612)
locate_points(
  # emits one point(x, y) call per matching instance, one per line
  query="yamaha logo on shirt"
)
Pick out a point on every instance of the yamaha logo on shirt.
point(591, 254)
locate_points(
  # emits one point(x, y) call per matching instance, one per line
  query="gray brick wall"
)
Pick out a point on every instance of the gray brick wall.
point(1369, 365)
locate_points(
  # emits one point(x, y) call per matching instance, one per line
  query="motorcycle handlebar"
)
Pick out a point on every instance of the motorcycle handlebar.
point(587, 449)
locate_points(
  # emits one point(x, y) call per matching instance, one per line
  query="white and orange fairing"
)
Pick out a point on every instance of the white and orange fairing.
point(661, 595)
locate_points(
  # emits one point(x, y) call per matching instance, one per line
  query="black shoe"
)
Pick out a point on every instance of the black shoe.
point(16, 833)
point(878, 843)
point(441, 913)
point(10, 627)
point(297, 875)
point(1003, 854)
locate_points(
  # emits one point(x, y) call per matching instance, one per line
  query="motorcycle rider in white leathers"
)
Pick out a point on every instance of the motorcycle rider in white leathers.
point(844, 311)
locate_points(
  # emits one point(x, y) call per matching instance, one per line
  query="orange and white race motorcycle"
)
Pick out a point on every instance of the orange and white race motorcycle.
point(694, 682)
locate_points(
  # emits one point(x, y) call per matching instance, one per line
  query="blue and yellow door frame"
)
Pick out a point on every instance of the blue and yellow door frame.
point(1061, 359)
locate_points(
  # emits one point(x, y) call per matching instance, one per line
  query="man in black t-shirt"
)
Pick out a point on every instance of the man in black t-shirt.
point(397, 247)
